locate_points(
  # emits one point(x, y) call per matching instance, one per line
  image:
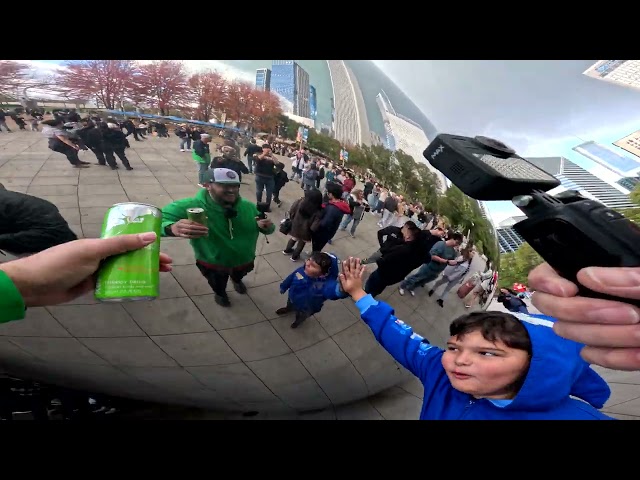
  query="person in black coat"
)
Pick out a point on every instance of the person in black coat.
point(114, 141)
point(30, 224)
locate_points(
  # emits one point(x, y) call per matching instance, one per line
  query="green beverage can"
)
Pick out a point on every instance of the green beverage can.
point(197, 215)
point(132, 275)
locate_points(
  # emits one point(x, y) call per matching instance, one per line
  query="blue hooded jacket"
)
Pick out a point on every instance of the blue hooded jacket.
point(556, 373)
point(309, 294)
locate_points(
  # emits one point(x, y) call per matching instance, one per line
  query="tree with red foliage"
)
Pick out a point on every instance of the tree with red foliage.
point(241, 97)
point(11, 75)
point(162, 85)
point(265, 111)
point(209, 90)
point(108, 81)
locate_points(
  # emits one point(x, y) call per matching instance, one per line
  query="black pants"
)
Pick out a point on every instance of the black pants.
point(276, 193)
point(218, 279)
point(317, 244)
point(375, 284)
point(66, 150)
point(99, 155)
point(108, 153)
point(301, 316)
point(295, 253)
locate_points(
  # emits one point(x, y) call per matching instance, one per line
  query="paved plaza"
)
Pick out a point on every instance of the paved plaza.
point(183, 348)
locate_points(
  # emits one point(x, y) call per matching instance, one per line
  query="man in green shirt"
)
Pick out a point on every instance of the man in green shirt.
point(226, 245)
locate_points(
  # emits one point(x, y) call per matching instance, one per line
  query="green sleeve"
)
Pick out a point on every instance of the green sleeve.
point(176, 211)
point(11, 302)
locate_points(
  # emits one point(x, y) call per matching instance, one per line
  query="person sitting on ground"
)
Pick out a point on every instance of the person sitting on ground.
point(30, 224)
point(496, 366)
point(310, 286)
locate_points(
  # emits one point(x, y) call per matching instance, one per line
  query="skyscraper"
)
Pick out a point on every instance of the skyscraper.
point(291, 81)
point(630, 143)
point(508, 239)
point(263, 79)
point(625, 73)
point(574, 177)
point(313, 103)
point(350, 125)
point(608, 158)
point(406, 135)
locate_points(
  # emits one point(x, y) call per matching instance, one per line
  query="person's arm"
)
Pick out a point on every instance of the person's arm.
point(436, 251)
point(286, 283)
point(409, 349)
point(64, 139)
point(175, 212)
point(383, 232)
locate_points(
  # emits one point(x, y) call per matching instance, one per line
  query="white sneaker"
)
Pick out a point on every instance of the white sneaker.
point(182, 149)
point(413, 294)
point(401, 290)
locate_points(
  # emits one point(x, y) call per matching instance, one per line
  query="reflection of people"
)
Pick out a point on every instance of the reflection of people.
point(30, 224)
point(608, 328)
point(310, 286)
point(61, 273)
point(226, 246)
point(511, 301)
point(495, 366)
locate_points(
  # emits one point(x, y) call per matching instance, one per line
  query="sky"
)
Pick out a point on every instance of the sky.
point(537, 107)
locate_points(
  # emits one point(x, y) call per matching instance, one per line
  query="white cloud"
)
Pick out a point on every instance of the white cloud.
point(227, 71)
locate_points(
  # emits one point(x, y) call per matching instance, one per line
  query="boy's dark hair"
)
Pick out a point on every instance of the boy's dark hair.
point(457, 236)
point(493, 326)
point(411, 226)
point(323, 260)
point(335, 190)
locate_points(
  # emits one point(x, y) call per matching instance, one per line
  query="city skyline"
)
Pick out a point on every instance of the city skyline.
point(540, 108)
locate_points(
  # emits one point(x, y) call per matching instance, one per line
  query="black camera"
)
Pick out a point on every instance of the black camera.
point(263, 208)
point(569, 231)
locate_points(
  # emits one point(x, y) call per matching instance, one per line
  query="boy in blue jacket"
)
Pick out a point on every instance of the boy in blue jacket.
point(310, 285)
point(496, 366)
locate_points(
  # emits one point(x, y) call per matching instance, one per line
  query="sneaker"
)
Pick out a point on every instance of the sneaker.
point(295, 259)
point(182, 149)
point(240, 287)
point(430, 292)
point(222, 301)
point(440, 302)
point(401, 290)
point(287, 252)
point(413, 294)
point(352, 235)
point(282, 311)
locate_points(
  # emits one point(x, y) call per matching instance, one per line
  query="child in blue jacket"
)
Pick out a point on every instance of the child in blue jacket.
point(496, 366)
point(310, 285)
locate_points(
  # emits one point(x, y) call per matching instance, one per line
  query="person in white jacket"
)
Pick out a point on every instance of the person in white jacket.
point(453, 275)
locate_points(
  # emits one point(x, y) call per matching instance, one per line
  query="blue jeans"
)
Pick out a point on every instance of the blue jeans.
point(184, 141)
point(450, 284)
point(264, 183)
point(420, 278)
point(345, 223)
point(202, 170)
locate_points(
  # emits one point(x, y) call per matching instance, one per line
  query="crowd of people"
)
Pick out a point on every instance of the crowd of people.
point(495, 365)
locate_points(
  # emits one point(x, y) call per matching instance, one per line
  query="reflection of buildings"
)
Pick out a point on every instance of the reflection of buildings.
point(630, 143)
point(376, 139)
point(292, 82)
point(313, 103)
point(628, 182)
point(263, 79)
point(608, 158)
point(574, 177)
point(508, 239)
point(621, 72)
point(405, 134)
point(350, 122)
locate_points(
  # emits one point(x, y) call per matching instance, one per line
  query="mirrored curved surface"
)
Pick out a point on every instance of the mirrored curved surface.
point(185, 349)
